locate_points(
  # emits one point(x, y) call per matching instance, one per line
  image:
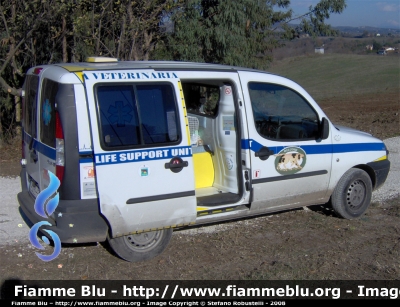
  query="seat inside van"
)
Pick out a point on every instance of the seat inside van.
point(202, 156)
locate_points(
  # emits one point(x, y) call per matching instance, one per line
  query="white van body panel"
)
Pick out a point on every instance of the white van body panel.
point(353, 148)
point(136, 192)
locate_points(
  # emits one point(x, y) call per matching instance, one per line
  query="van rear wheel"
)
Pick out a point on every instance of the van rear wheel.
point(142, 246)
point(352, 195)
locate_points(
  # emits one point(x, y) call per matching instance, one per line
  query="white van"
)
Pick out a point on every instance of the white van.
point(142, 148)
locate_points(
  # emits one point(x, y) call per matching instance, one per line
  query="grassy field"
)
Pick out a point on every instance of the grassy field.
point(341, 75)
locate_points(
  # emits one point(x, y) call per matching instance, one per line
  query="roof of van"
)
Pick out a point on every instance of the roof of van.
point(175, 65)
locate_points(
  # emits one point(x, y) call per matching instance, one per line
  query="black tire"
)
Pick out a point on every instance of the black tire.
point(352, 195)
point(142, 246)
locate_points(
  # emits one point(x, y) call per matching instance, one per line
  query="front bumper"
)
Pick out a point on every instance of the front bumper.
point(381, 171)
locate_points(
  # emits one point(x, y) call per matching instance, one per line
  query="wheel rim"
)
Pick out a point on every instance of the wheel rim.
point(143, 242)
point(356, 195)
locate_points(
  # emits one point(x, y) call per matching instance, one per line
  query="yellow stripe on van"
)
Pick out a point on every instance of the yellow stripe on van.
point(381, 158)
point(78, 70)
point(79, 75)
point(184, 110)
point(72, 68)
point(202, 211)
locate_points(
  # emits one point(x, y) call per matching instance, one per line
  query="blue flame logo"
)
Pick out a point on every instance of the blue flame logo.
point(45, 210)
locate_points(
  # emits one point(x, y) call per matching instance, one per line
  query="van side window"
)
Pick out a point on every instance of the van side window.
point(47, 112)
point(29, 104)
point(281, 113)
point(134, 115)
point(201, 99)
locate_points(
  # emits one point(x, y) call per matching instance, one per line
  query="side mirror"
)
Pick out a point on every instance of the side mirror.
point(324, 128)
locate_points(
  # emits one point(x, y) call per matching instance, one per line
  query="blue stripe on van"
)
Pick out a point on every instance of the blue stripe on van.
point(355, 147)
point(318, 149)
point(40, 147)
point(86, 160)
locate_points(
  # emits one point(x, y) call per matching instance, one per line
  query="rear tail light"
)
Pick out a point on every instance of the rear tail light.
point(37, 70)
point(60, 162)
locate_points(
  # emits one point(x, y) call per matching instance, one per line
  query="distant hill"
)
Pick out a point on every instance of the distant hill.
point(372, 30)
point(346, 43)
point(357, 31)
point(338, 75)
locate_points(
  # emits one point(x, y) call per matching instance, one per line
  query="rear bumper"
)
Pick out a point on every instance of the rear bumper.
point(381, 170)
point(74, 221)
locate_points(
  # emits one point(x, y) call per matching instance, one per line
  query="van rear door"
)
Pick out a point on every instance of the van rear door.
point(29, 134)
point(142, 153)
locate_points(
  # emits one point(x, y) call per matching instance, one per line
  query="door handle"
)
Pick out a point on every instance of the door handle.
point(34, 156)
point(32, 150)
point(264, 153)
point(176, 164)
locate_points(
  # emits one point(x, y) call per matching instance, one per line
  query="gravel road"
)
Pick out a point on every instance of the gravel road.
point(391, 188)
point(13, 229)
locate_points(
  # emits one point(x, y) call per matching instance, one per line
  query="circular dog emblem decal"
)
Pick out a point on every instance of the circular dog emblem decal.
point(290, 160)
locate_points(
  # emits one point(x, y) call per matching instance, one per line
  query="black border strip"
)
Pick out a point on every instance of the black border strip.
point(160, 197)
point(287, 177)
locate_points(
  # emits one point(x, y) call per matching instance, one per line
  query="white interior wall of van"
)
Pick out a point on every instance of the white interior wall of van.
point(226, 147)
point(219, 134)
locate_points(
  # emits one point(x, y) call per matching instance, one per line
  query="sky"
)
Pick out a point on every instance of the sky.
point(358, 13)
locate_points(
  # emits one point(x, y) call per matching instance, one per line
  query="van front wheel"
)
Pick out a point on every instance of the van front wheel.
point(352, 195)
point(142, 246)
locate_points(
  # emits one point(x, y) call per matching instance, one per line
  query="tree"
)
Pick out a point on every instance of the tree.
point(19, 20)
point(125, 29)
point(34, 32)
point(47, 31)
point(376, 46)
point(242, 32)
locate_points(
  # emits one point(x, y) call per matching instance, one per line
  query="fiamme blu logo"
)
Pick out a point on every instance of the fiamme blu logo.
point(45, 204)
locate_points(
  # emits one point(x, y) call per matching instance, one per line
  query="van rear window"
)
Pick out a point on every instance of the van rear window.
point(29, 104)
point(47, 112)
point(137, 114)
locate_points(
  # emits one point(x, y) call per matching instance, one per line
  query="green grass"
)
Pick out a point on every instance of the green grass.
point(336, 75)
